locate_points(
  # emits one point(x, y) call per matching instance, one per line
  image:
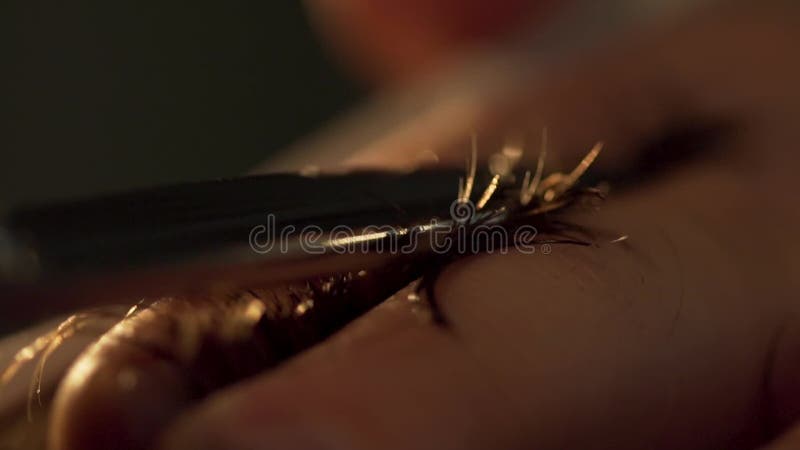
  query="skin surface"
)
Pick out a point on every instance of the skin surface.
point(684, 337)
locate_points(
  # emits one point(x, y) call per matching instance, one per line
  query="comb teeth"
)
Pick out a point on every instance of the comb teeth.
point(183, 222)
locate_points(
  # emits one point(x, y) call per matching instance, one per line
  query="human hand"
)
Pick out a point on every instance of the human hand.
point(684, 336)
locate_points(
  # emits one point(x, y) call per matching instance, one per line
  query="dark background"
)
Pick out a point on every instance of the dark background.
point(98, 96)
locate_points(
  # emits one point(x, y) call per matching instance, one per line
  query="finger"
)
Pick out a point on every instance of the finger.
point(54, 344)
point(652, 344)
point(389, 40)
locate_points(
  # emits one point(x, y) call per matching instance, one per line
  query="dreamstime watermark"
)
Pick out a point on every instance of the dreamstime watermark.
point(468, 231)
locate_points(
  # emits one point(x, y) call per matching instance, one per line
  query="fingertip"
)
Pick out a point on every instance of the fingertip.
point(102, 405)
